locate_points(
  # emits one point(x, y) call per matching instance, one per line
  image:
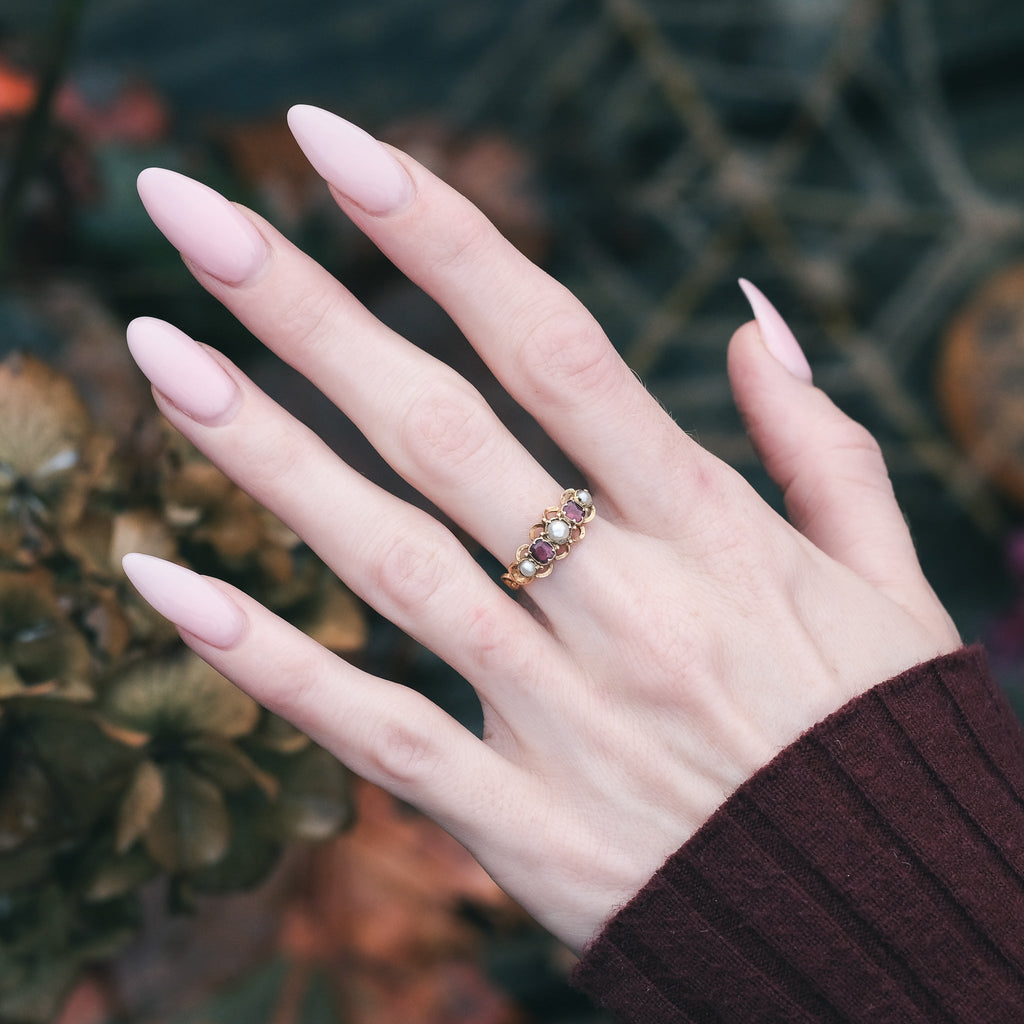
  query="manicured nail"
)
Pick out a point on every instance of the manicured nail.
point(775, 333)
point(182, 370)
point(355, 163)
point(189, 600)
point(202, 225)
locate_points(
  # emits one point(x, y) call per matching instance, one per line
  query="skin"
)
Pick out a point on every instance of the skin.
point(690, 637)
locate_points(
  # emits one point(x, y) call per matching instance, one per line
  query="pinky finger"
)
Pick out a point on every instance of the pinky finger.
point(386, 733)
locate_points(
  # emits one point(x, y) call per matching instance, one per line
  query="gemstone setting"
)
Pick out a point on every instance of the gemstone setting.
point(573, 512)
point(542, 551)
point(558, 531)
point(552, 538)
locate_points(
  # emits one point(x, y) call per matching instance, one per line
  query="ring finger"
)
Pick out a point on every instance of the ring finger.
point(399, 559)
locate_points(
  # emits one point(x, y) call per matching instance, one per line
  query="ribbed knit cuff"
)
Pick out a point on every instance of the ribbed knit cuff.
point(873, 872)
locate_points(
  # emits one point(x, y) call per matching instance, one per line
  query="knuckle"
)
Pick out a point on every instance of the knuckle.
point(859, 452)
point(564, 348)
point(404, 757)
point(410, 570)
point(850, 435)
point(718, 505)
point(301, 700)
point(445, 427)
point(272, 461)
point(488, 640)
point(307, 322)
point(468, 235)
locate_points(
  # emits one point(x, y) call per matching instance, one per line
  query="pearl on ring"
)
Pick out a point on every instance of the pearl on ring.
point(558, 531)
point(560, 527)
point(528, 568)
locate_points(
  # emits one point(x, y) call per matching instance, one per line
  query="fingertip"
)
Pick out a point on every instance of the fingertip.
point(356, 164)
point(775, 333)
point(745, 346)
point(183, 371)
point(149, 175)
point(761, 385)
point(192, 602)
point(206, 228)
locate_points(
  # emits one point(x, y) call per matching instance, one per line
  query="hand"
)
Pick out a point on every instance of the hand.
point(687, 639)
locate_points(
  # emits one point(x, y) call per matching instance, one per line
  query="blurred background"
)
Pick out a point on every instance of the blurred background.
point(862, 161)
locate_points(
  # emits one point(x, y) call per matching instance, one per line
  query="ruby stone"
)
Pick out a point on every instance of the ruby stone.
point(573, 512)
point(542, 551)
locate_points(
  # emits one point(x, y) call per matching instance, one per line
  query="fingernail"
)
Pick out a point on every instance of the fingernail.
point(355, 163)
point(182, 370)
point(202, 225)
point(189, 600)
point(775, 333)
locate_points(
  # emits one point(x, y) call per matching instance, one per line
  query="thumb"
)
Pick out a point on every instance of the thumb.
point(830, 469)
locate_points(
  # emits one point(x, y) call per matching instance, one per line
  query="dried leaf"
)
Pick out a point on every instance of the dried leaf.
point(385, 897)
point(44, 425)
point(140, 803)
point(50, 453)
point(26, 803)
point(232, 526)
point(148, 627)
point(278, 533)
point(87, 542)
point(252, 852)
point(139, 530)
point(93, 351)
point(315, 802)
point(109, 624)
point(189, 483)
point(67, 741)
point(338, 623)
point(229, 766)
point(267, 160)
point(278, 734)
point(191, 828)
point(129, 737)
point(179, 695)
point(385, 892)
point(11, 684)
point(38, 645)
point(119, 876)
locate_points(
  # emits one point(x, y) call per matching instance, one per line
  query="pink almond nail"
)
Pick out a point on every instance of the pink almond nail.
point(182, 370)
point(189, 600)
point(202, 225)
point(354, 162)
point(775, 332)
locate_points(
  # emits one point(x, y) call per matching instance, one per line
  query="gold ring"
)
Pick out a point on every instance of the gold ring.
point(550, 539)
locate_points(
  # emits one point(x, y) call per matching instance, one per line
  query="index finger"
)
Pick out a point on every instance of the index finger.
point(539, 341)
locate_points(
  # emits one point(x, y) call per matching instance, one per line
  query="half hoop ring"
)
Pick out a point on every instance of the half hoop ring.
point(551, 539)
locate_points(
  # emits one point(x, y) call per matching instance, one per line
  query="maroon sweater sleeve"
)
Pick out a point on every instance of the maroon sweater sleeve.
point(872, 873)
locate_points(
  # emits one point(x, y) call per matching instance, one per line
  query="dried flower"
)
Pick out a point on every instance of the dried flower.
point(51, 455)
point(123, 756)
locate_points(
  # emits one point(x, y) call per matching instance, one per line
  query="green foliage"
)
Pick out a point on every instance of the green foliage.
point(123, 756)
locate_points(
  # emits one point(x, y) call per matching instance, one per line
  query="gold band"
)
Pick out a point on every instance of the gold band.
point(550, 539)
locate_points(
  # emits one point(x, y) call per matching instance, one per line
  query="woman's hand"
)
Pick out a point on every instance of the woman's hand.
point(689, 637)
